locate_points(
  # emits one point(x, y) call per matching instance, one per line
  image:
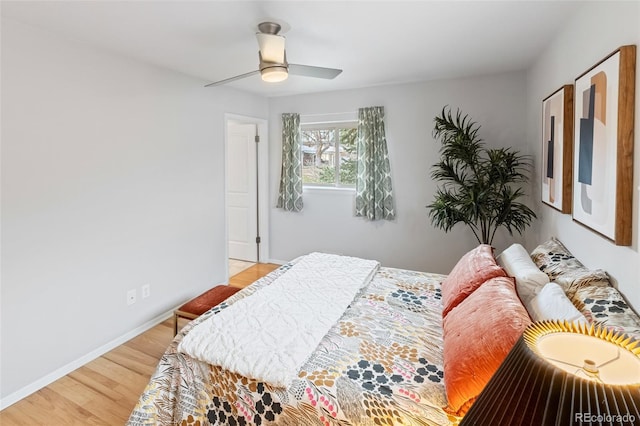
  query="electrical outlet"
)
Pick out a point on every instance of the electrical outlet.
point(146, 291)
point(131, 297)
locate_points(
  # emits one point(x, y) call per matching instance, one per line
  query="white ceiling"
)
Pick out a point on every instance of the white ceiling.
point(374, 42)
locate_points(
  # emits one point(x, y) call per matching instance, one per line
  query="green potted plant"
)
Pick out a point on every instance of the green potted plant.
point(480, 187)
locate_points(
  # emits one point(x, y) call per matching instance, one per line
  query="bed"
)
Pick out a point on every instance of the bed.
point(381, 363)
point(407, 347)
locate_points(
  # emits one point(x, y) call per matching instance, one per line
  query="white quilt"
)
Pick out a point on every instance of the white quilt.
point(270, 334)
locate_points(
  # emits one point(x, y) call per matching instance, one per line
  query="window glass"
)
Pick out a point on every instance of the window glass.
point(329, 155)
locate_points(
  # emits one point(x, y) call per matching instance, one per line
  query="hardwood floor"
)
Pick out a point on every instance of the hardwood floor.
point(249, 275)
point(104, 391)
point(236, 266)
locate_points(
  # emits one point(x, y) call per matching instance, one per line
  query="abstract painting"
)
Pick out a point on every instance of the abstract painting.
point(603, 146)
point(557, 144)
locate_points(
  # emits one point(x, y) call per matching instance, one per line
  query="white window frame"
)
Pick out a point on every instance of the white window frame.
point(332, 125)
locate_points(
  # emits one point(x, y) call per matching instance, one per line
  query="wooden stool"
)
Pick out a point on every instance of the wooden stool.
point(201, 304)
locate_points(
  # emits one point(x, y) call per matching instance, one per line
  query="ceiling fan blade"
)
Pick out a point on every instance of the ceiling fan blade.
point(229, 80)
point(310, 71)
point(271, 47)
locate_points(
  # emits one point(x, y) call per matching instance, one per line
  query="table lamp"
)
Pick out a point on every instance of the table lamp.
point(561, 373)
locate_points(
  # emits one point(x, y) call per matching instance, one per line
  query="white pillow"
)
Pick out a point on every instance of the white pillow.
point(552, 303)
point(518, 264)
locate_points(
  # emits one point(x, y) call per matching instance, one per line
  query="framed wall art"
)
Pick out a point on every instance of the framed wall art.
point(557, 148)
point(603, 146)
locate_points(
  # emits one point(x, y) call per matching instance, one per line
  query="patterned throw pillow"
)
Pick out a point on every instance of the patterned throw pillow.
point(554, 259)
point(605, 306)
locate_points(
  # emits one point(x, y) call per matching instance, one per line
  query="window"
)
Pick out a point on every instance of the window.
point(329, 154)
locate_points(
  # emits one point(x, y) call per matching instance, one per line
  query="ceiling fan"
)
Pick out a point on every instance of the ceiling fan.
point(273, 60)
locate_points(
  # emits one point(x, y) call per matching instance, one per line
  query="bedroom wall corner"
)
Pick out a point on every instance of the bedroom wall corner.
point(577, 48)
point(112, 178)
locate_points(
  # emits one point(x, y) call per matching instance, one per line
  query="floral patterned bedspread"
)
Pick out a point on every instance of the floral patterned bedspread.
point(381, 364)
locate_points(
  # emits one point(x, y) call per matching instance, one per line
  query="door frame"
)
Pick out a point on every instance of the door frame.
point(263, 183)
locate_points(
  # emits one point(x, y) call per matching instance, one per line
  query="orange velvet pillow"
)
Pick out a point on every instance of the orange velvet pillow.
point(478, 335)
point(473, 269)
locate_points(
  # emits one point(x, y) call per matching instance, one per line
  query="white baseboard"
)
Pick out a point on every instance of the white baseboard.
point(74, 365)
point(278, 262)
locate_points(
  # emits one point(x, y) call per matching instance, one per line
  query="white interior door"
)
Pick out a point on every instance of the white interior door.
point(242, 212)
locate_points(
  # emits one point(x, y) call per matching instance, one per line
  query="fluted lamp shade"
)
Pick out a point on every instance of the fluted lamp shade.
point(560, 373)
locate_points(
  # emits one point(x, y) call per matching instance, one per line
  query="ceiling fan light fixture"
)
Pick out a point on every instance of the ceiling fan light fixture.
point(273, 65)
point(274, 74)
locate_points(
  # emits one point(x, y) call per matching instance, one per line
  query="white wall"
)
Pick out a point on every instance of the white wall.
point(327, 222)
point(598, 29)
point(112, 177)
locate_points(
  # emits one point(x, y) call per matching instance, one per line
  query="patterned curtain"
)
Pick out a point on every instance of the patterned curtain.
point(374, 197)
point(290, 194)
